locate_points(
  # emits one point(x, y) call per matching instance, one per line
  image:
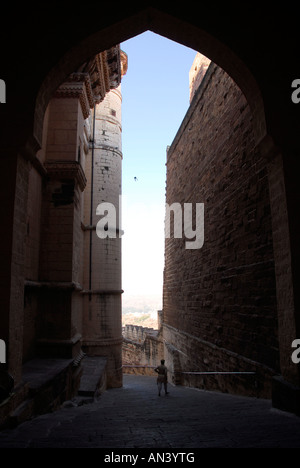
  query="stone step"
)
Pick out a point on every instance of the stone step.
point(22, 413)
point(93, 379)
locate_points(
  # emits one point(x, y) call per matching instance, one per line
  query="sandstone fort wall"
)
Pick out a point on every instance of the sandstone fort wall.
point(219, 306)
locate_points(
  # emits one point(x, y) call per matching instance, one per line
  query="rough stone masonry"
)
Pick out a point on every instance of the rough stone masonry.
point(219, 306)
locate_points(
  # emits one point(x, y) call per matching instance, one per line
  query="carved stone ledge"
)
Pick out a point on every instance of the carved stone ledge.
point(103, 342)
point(58, 285)
point(77, 86)
point(103, 292)
point(66, 170)
point(94, 79)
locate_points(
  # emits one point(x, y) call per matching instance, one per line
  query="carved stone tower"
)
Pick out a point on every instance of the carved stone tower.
point(102, 325)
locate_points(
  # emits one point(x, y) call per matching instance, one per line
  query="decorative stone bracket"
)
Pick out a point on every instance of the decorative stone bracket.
point(94, 79)
point(66, 170)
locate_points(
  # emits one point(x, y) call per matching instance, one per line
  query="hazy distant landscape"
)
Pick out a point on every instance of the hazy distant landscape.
point(140, 310)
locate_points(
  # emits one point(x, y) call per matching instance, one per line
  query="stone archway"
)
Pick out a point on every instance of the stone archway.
point(165, 25)
point(189, 32)
point(198, 39)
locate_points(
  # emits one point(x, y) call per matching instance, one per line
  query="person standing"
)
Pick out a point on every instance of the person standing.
point(162, 377)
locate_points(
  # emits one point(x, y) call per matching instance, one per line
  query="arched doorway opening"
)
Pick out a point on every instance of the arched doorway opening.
point(187, 34)
point(170, 27)
point(89, 345)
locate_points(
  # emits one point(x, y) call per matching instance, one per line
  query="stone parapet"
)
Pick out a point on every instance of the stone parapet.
point(142, 349)
point(195, 362)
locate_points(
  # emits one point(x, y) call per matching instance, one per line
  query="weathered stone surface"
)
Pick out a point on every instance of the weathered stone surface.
point(142, 349)
point(44, 313)
point(219, 309)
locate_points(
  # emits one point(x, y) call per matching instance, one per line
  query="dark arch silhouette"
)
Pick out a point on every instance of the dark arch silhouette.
point(165, 25)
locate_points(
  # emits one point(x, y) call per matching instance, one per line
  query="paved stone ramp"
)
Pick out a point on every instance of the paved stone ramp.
point(135, 417)
point(93, 376)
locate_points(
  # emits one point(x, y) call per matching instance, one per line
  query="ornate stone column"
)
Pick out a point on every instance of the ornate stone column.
point(62, 247)
point(60, 303)
point(102, 324)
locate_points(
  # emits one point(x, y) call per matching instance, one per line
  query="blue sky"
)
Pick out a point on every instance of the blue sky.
point(155, 94)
